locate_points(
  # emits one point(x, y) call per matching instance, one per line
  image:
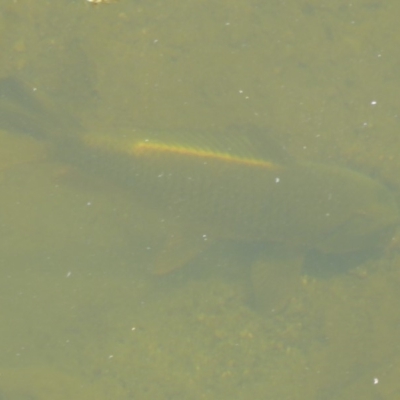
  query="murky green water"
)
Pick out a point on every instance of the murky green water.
point(82, 315)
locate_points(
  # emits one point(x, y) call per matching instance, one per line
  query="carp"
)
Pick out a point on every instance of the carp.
point(228, 190)
point(218, 187)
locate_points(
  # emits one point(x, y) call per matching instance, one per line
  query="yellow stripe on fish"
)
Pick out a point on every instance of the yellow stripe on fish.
point(150, 148)
point(147, 148)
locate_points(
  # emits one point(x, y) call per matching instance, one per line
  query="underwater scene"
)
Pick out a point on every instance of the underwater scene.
point(199, 200)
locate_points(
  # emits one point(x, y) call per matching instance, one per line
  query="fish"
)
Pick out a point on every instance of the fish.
point(224, 188)
point(244, 197)
point(229, 188)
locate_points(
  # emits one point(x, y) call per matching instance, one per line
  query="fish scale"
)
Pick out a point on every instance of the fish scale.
point(250, 198)
point(196, 183)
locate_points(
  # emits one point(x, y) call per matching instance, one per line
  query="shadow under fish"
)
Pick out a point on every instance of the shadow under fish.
point(215, 187)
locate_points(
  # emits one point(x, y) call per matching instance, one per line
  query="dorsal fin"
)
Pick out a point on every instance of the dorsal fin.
point(261, 143)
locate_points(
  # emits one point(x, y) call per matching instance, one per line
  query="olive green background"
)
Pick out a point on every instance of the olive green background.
point(81, 314)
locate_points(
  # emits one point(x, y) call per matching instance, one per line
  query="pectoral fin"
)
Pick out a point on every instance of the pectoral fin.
point(178, 251)
point(275, 278)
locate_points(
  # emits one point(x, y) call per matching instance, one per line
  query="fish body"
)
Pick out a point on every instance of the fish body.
point(222, 188)
point(223, 191)
point(239, 194)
